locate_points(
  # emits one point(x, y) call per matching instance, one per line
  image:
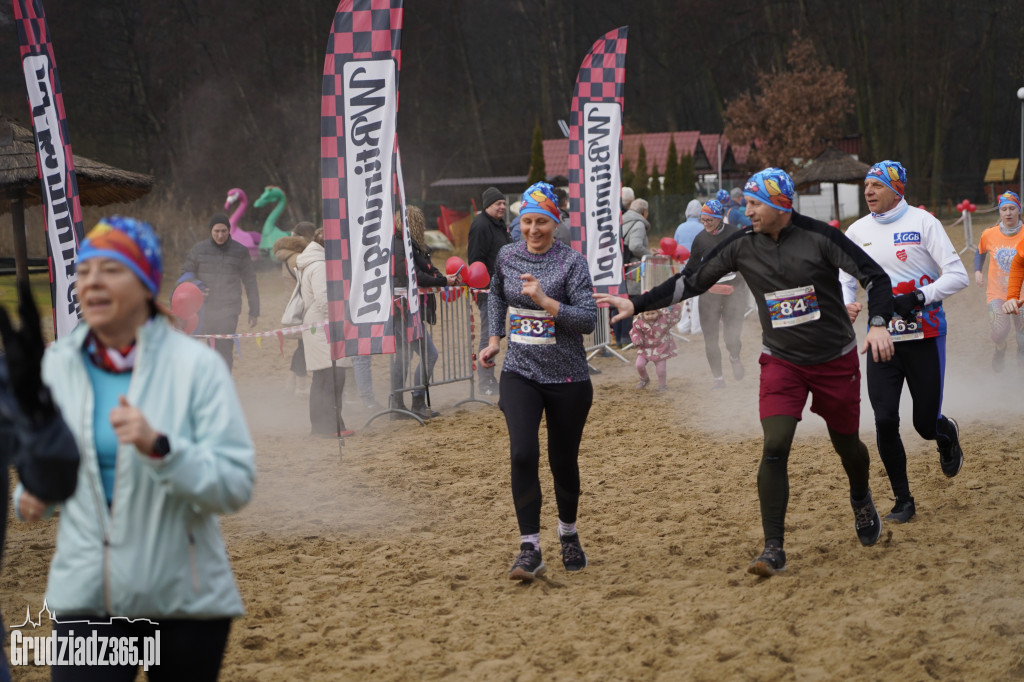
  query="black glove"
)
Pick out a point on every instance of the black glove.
point(24, 348)
point(905, 304)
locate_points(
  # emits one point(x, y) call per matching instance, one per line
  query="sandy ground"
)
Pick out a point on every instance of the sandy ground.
point(389, 562)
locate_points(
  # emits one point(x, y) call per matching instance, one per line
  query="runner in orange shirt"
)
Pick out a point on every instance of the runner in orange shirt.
point(1002, 241)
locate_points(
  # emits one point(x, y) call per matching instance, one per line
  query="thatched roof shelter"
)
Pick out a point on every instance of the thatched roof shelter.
point(834, 166)
point(98, 183)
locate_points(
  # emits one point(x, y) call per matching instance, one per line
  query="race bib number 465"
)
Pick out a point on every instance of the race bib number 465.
point(531, 326)
point(907, 330)
point(790, 307)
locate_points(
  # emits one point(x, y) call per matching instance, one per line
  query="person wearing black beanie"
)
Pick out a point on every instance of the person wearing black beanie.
point(491, 194)
point(487, 235)
point(221, 267)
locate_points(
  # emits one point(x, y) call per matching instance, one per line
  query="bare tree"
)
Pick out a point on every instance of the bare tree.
point(794, 111)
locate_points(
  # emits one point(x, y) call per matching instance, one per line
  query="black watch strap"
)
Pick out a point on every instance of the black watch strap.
point(161, 446)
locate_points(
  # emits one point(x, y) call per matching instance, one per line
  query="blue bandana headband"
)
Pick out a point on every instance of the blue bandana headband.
point(540, 198)
point(891, 174)
point(712, 209)
point(772, 186)
point(1009, 198)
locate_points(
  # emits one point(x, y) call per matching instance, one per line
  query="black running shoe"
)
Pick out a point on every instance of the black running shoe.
point(771, 561)
point(528, 565)
point(951, 457)
point(573, 556)
point(869, 525)
point(903, 511)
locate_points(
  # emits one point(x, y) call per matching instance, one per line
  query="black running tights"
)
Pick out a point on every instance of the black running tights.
point(773, 478)
point(565, 407)
point(921, 364)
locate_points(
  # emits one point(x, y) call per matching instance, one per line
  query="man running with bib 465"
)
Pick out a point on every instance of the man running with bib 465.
point(913, 248)
point(790, 263)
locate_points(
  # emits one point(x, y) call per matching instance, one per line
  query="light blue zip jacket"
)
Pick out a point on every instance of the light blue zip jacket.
point(157, 551)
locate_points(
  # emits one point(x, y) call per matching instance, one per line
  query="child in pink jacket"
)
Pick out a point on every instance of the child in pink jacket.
point(654, 343)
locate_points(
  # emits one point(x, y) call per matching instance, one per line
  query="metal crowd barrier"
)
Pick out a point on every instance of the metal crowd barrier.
point(452, 335)
point(600, 340)
point(654, 270)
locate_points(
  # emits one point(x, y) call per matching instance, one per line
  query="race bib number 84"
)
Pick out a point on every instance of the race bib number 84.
point(790, 307)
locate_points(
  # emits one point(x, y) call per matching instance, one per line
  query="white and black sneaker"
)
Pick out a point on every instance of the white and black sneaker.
point(528, 565)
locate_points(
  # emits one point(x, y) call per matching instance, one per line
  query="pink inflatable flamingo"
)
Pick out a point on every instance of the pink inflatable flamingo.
point(250, 240)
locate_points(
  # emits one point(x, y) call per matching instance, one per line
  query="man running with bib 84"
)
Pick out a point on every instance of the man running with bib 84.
point(791, 263)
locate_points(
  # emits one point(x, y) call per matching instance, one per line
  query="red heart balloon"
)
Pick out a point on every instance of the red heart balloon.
point(834, 223)
point(476, 276)
point(682, 253)
point(186, 300)
point(668, 245)
point(972, 208)
point(190, 323)
point(453, 265)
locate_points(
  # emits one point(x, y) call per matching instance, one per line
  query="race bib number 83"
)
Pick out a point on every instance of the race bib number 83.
point(531, 326)
point(790, 307)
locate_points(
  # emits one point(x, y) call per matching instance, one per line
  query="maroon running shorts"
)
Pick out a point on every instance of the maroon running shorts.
point(834, 387)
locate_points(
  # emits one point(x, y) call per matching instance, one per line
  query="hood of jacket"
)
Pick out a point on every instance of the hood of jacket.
point(311, 254)
point(286, 247)
point(632, 216)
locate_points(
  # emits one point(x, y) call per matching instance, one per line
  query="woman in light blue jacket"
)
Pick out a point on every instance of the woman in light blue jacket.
point(165, 450)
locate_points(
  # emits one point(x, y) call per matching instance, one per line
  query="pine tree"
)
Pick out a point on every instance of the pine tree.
point(640, 177)
point(537, 170)
point(673, 179)
point(628, 176)
point(687, 177)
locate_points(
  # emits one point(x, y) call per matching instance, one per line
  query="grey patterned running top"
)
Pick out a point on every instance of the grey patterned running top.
point(544, 349)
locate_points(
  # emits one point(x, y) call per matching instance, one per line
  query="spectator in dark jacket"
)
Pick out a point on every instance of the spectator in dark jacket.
point(33, 437)
point(487, 235)
point(221, 266)
point(427, 275)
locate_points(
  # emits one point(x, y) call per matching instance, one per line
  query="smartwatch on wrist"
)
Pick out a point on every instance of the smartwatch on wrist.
point(161, 446)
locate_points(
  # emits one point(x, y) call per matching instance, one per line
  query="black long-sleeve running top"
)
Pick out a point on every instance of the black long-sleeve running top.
point(795, 282)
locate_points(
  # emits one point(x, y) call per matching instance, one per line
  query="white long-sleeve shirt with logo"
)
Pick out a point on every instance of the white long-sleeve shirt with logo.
point(916, 253)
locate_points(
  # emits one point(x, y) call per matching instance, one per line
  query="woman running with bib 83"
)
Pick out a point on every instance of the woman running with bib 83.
point(545, 287)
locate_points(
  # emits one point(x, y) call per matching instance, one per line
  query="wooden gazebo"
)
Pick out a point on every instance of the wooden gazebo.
point(98, 183)
point(834, 166)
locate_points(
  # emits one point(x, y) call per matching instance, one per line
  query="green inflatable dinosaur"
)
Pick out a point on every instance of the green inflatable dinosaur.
point(271, 232)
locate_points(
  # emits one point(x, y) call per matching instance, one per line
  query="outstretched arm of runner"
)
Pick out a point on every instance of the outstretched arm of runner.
point(623, 305)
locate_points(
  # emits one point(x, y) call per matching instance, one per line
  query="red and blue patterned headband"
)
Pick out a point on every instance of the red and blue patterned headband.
point(130, 242)
point(712, 209)
point(772, 186)
point(891, 174)
point(1009, 197)
point(540, 198)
